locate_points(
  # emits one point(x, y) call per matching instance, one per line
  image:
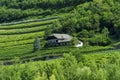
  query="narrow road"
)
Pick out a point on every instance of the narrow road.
point(41, 58)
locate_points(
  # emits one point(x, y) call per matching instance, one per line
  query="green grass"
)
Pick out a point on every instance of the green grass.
point(16, 40)
point(16, 43)
point(23, 30)
point(27, 25)
point(19, 37)
point(14, 51)
point(48, 51)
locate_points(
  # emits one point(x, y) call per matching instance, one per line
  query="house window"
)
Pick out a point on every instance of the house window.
point(56, 41)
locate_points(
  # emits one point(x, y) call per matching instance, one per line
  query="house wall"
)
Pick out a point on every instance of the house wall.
point(57, 42)
point(53, 41)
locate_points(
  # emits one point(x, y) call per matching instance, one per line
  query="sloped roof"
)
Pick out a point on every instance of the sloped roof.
point(62, 36)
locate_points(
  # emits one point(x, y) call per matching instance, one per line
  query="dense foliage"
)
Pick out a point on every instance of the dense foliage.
point(28, 8)
point(95, 22)
point(27, 4)
point(88, 67)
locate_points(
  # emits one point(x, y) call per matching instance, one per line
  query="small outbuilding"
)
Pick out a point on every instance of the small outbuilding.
point(80, 44)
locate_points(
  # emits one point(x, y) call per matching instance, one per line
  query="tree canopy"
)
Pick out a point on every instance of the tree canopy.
point(96, 18)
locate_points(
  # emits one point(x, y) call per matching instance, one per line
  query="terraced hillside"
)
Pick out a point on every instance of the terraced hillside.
point(17, 38)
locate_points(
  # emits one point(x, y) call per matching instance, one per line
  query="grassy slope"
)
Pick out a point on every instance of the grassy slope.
point(24, 53)
point(17, 39)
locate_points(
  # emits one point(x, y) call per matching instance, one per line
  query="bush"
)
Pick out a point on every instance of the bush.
point(37, 45)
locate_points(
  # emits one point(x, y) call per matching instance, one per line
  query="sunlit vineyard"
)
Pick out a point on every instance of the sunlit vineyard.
point(28, 52)
point(27, 24)
point(18, 37)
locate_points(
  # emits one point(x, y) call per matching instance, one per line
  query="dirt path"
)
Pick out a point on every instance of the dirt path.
point(41, 58)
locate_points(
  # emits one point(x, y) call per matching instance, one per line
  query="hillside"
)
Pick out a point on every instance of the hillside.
point(25, 24)
point(96, 23)
point(99, 66)
point(86, 19)
point(29, 9)
point(17, 39)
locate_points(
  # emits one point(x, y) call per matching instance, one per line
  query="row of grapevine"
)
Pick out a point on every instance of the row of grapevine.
point(11, 52)
point(27, 25)
point(23, 31)
point(48, 51)
point(17, 38)
point(28, 21)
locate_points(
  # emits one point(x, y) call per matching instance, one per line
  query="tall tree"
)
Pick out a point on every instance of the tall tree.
point(36, 44)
